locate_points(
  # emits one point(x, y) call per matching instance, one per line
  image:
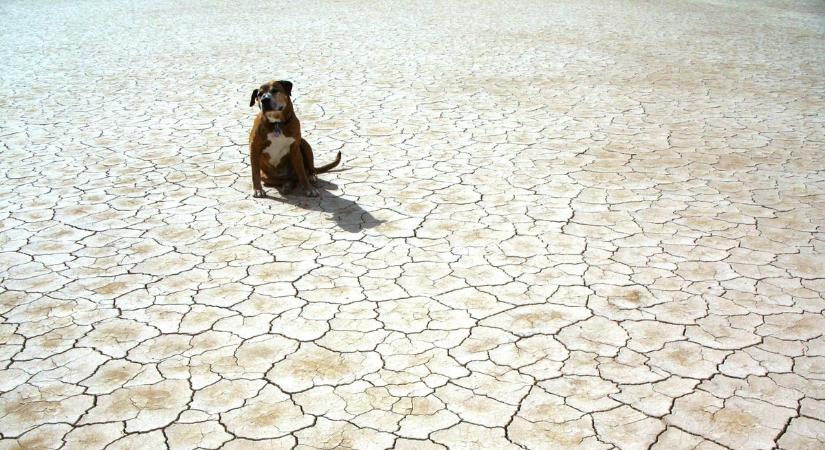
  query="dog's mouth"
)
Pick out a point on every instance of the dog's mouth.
point(271, 106)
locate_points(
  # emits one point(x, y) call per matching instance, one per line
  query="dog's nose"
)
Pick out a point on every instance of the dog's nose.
point(266, 102)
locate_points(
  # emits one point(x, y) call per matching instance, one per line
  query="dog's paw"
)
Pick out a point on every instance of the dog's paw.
point(259, 193)
point(311, 192)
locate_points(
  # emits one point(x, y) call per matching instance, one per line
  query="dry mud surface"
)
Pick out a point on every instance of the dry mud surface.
point(558, 225)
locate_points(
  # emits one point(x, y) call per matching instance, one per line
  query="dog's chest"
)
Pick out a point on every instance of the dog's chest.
point(278, 146)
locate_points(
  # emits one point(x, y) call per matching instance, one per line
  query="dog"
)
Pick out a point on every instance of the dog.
point(276, 149)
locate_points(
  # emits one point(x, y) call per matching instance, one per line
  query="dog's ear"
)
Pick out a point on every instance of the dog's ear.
point(287, 86)
point(252, 99)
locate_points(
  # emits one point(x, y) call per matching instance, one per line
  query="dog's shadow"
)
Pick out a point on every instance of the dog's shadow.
point(347, 214)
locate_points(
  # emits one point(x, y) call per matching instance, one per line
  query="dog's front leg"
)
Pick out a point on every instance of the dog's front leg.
point(297, 159)
point(255, 162)
point(309, 162)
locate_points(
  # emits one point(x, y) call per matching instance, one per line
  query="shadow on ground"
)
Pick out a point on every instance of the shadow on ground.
point(347, 214)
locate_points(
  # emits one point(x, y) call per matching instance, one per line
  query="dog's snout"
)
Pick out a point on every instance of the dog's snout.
point(266, 101)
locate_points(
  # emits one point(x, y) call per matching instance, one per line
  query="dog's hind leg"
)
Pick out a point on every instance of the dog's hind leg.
point(270, 181)
point(288, 187)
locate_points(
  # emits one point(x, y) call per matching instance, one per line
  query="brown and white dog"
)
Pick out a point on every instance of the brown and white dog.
point(276, 149)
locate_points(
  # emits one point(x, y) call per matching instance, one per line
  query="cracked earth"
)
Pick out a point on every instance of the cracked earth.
point(567, 225)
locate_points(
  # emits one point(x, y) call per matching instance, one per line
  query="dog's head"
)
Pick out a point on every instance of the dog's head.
point(274, 100)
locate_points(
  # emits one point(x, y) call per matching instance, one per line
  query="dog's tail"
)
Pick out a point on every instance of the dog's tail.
point(330, 166)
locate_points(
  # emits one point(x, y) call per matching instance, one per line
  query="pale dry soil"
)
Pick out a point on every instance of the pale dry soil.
point(557, 225)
